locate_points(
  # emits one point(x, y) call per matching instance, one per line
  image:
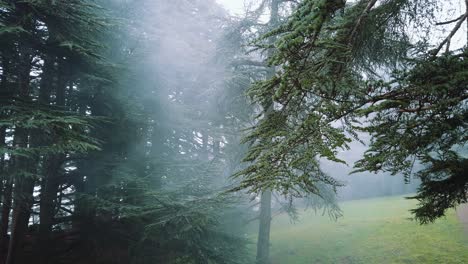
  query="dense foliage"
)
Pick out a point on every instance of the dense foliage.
point(343, 68)
point(121, 121)
point(107, 157)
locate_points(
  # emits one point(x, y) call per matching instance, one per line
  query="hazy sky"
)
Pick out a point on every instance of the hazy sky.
point(234, 6)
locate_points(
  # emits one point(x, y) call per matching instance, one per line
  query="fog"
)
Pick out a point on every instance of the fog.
point(192, 68)
point(186, 76)
point(131, 130)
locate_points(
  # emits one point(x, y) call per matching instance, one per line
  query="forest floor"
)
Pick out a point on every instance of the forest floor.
point(371, 231)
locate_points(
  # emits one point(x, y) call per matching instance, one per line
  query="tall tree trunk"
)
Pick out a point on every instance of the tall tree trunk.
point(51, 181)
point(23, 201)
point(79, 182)
point(6, 208)
point(216, 147)
point(205, 146)
point(6, 184)
point(263, 242)
point(23, 185)
point(49, 191)
point(6, 200)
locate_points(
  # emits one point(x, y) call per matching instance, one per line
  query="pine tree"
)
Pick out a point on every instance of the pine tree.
point(250, 63)
point(350, 67)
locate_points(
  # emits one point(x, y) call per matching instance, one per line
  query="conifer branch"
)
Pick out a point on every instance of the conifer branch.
point(360, 20)
point(449, 37)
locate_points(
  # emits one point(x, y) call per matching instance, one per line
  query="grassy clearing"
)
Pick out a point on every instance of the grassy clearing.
point(371, 231)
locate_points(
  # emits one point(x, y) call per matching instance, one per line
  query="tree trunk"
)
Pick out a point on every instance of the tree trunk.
point(6, 202)
point(21, 214)
point(23, 185)
point(23, 201)
point(47, 209)
point(6, 188)
point(263, 242)
point(6, 208)
point(6, 184)
point(205, 148)
point(50, 182)
point(216, 148)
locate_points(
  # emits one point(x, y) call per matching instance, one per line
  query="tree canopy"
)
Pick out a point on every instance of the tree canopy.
point(121, 122)
point(107, 154)
point(347, 68)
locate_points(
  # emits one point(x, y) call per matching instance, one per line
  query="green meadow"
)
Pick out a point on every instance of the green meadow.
point(370, 231)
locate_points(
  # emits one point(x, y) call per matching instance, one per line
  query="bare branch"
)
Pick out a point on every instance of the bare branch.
point(449, 37)
point(450, 21)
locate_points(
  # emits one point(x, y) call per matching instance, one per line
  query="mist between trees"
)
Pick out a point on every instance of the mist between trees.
point(143, 131)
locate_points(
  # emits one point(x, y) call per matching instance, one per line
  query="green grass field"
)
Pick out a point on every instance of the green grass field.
point(371, 231)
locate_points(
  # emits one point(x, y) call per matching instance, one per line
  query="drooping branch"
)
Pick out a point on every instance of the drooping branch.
point(360, 20)
point(247, 62)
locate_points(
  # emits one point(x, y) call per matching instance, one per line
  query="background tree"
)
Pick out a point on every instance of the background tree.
point(99, 163)
point(249, 62)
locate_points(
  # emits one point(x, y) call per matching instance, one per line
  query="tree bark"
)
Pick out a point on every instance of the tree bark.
point(23, 201)
point(205, 146)
point(6, 184)
point(6, 187)
point(6, 208)
point(263, 242)
point(23, 186)
point(50, 182)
